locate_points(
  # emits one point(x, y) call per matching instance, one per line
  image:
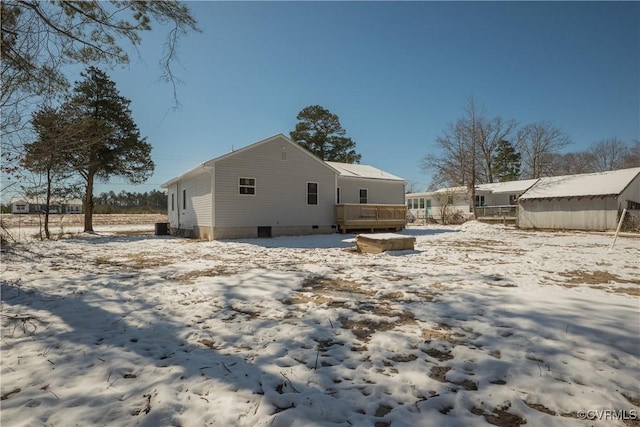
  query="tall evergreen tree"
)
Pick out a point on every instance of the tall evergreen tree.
point(506, 162)
point(46, 155)
point(111, 144)
point(320, 132)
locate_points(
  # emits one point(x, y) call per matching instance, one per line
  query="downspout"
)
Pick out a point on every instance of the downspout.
point(178, 202)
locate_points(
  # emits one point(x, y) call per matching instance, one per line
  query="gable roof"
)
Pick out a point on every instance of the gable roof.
point(212, 162)
point(362, 171)
point(342, 169)
point(610, 183)
point(508, 186)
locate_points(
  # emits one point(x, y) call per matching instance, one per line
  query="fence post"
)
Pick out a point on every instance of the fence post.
point(615, 237)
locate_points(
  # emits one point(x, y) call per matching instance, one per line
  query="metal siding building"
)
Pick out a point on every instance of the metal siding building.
point(580, 202)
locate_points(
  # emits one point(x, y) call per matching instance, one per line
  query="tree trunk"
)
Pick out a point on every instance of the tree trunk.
point(88, 205)
point(47, 206)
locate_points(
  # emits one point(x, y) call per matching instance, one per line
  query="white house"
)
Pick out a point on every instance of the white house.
point(23, 205)
point(580, 202)
point(495, 199)
point(274, 187)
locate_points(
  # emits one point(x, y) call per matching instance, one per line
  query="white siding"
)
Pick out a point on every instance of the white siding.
point(172, 193)
point(439, 205)
point(631, 193)
point(197, 210)
point(378, 191)
point(281, 188)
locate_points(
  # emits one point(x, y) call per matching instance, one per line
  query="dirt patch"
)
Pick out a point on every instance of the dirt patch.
point(484, 246)
point(594, 278)
point(500, 417)
point(440, 355)
point(335, 287)
point(363, 329)
point(443, 332)
point(539, 407)
point(403, 358)
point(439, 373)
point(134, 261)
point(635, 292)
point(190, 276)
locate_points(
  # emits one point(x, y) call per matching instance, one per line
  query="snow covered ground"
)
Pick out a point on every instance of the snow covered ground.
point(478, 325)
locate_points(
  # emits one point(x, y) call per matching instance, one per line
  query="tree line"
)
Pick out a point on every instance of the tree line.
point(111, 202)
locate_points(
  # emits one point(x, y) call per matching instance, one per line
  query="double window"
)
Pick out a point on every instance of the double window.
point(247, 186)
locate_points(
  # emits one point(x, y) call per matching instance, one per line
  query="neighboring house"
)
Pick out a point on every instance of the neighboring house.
point(22, 205)
point(580, 202)
point(496, 199)
point(274, 188)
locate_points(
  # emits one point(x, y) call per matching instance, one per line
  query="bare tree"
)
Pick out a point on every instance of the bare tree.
point(572, 163)
point(538, 142)
point(449, 165)
point(608, 154)
point(632, 159)
point(491, 133)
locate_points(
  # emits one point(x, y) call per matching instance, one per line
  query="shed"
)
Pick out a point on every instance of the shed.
point(580, 202)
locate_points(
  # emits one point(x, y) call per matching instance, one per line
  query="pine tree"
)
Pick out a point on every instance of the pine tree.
point(506, 162)
point(46, 155)
point(111, 144)
point(320, 132)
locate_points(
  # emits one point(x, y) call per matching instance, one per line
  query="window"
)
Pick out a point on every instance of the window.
point(449, 200)
point(184, 199)
point(409, 203)
point(513, 199)
point(421, 203)
point(363, 195)
point(312, 193)
point(247, 186)
point(479, 200)
point(338, 196)
point(173, 202)
point(633, 206)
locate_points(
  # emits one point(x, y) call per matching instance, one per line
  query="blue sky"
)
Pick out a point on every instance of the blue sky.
point(394, 72)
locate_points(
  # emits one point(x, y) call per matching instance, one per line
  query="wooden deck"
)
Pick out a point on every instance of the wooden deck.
point(353, 216)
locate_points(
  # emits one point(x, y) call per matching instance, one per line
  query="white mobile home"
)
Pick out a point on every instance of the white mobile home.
point(496, 199)
point(580, 202)
point(24, 205)
point(271, 188)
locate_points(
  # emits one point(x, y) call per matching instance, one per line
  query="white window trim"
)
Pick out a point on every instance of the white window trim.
point(317, 193)
point(254, 186)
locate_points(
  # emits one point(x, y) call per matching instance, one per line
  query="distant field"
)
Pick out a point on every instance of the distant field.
point(33, 220)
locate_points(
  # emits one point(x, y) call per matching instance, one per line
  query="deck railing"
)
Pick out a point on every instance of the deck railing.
point(510, 211)
point(366, 216)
